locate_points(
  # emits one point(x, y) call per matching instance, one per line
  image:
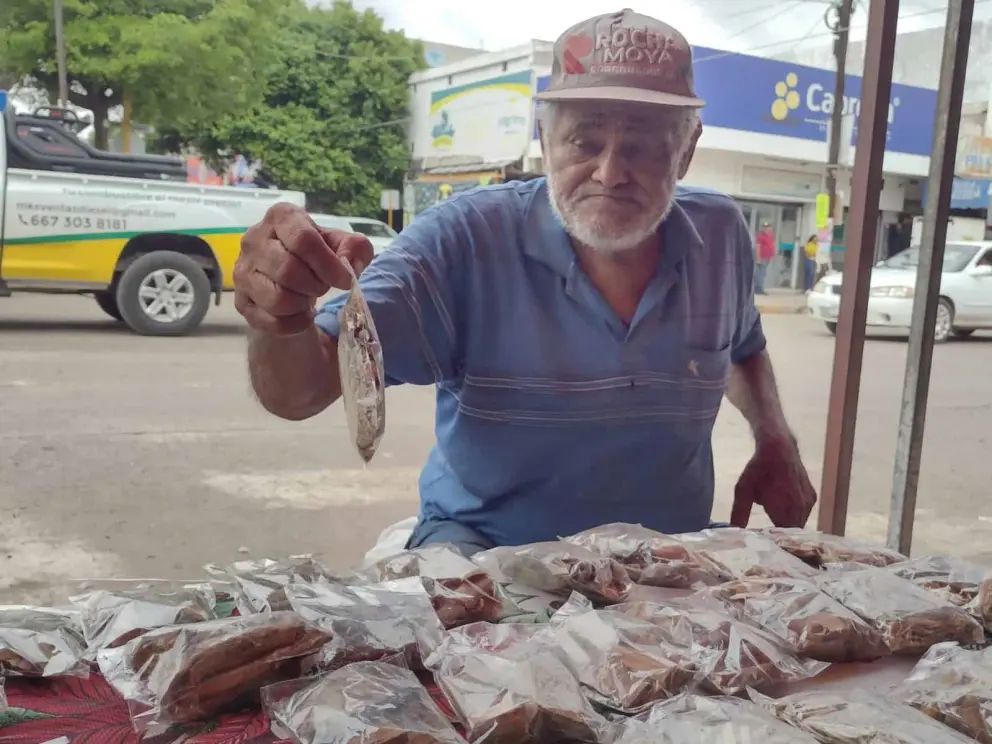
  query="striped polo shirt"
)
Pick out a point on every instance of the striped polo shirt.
point(553, 415)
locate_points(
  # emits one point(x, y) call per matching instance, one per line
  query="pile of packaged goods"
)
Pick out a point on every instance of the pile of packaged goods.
point(648, 638)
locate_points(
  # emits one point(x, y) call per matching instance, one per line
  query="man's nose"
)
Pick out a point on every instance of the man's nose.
point(611, 168)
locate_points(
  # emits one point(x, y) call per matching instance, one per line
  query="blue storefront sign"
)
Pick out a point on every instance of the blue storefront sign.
point(767, 96)
point(966, 193)
point(3, 100)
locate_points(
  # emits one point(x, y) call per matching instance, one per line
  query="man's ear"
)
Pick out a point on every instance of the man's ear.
point(690, 151)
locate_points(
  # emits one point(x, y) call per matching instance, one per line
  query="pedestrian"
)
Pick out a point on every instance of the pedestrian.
point(764, 252)
point(580, 329)
point(809, 261)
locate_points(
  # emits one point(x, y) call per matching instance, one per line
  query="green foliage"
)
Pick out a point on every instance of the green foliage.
point(178, 60)
point(331, 119)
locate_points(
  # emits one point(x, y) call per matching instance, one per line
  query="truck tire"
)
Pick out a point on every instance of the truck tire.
point(108, 303)
point(163, 294)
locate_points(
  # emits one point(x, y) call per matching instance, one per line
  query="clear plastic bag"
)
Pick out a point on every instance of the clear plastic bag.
point(113, 612)
point(857, 717)
point(523, 693)
point(731, 655)
point(368, 623)
point(909, 618)
point(493, 637)
point(953, 685)
point(185, 673)
point(363, 377)
point(367, 702)
point(955, 581)
point(460, 591)
point(810, 622)
point(559, 568)
point(41, 642)
point(819, 548)
point(651, 558)
point(709, 720)
point(745, 554)
point(260, 586)
point(624, 662)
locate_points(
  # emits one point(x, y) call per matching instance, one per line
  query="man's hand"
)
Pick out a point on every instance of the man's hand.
point(776, 479)
point(287, 263)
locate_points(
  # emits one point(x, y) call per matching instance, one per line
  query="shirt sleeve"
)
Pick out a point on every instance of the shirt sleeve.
point(411, 289)
point(749, 338)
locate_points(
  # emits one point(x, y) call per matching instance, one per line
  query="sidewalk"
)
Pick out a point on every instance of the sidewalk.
point(781, 302)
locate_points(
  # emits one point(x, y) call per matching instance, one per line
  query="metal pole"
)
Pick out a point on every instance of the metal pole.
point(913, 414)
point(60, 55)
point(841, 34)
point(866, 187)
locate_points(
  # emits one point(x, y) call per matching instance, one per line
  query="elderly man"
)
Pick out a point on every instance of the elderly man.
point(581, 330)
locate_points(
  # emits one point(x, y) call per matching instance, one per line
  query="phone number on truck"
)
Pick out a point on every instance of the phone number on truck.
point(78, 223)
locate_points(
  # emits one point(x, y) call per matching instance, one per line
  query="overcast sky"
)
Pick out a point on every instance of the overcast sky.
point(738, 25)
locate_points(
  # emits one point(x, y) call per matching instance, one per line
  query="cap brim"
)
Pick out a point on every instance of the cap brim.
point(620, 93)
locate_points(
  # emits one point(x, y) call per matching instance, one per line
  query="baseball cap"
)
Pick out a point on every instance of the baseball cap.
point(622, 56)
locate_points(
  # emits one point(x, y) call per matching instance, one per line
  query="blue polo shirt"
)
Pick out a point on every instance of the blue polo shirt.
point(553, 416)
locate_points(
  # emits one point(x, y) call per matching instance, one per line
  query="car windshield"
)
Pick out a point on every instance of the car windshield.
point(956, 257)
point(373, 229)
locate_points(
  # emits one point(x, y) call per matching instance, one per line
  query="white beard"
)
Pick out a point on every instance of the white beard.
point(602, 238)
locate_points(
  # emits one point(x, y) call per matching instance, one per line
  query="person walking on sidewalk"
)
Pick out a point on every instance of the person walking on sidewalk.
point(809, 261)
point(764, 253)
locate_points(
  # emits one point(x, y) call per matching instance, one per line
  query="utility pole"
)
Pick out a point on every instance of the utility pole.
point(840, 24)
point(60, 55)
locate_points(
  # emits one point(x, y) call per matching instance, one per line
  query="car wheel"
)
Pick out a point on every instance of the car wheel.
point(962, 332)
point(163, 294)
point(832, 327)
point(108, 303)
point(945, 321)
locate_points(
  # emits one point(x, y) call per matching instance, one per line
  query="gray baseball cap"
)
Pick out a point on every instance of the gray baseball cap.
point(622, 56)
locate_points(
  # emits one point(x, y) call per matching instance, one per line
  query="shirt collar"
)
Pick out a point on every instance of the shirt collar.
point(545, 238)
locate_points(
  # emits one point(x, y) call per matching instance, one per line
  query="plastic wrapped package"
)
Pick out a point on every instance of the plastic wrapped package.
point(956, 581)
point(185, 673)
point(260, 586)
point(810, 622)
point(745, 554)
point(625, 662)
point(3, 697)
point(363, 377)
point(559, 568)
point(368, 702)
point(41, 642)
point(954, 686)
point(493, 637)
point(460, 591)
point(731, 655)
point(858, 716)
point(368, 623)
point(651, 558)
point(709, 720)
point(524, 693)
point(909, 618)
point(819, 548)
point(113, 612)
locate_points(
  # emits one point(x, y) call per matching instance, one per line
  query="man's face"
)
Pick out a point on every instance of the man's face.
point(612, 168)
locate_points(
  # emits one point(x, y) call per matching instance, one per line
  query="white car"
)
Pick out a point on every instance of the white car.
point(379, 233)
point(965, 291)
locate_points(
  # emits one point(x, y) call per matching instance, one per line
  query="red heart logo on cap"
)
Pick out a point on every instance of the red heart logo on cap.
point(575, 48)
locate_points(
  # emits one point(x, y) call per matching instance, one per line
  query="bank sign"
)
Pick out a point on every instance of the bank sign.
point(767, 96)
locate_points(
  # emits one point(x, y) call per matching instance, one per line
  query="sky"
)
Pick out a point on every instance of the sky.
point(762, 27)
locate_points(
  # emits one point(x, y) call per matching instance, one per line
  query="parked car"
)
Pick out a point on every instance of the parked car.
point(378, 232)
point(965, 291)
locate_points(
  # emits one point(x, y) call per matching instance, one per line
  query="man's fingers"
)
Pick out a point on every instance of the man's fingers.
point(740, 512)
point(264, 321)
point(301, 237)
point(276, 300)
point(354, 248)
point(288, 271)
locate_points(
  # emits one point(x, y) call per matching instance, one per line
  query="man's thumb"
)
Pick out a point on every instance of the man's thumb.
point(740, 513)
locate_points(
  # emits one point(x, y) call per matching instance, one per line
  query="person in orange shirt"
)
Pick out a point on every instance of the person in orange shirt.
point(764, 253)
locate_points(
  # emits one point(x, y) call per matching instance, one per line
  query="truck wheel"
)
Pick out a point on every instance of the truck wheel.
point(108, 303)
point(163, 294)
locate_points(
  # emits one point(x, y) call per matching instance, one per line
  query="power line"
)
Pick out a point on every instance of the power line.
point(761, 22)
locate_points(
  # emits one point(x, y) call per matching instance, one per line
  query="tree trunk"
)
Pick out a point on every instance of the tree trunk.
point(101, 129)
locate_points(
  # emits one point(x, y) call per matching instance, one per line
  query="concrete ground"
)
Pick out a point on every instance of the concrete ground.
point(130, 456)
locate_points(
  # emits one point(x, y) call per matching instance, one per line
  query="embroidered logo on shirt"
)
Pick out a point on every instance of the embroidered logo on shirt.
point(694, 367)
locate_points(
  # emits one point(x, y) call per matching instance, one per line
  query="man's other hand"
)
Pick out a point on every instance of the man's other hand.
point(287, 263)
point(776, 479)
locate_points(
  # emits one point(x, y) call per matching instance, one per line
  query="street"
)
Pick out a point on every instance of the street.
point(129, 456)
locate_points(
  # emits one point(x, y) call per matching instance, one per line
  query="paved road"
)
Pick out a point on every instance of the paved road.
point(130, 456)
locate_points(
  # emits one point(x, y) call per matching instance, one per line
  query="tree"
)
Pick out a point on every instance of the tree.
point(166, 62)
point(332, 117)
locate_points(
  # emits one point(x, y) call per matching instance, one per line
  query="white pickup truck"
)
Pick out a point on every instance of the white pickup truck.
point(127, 230)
